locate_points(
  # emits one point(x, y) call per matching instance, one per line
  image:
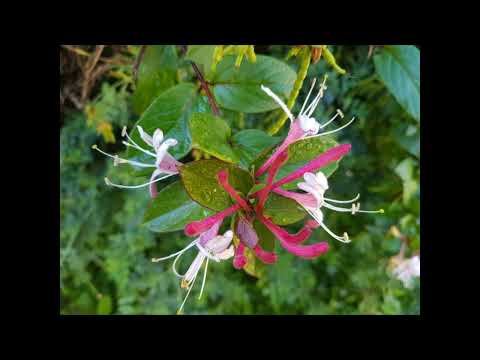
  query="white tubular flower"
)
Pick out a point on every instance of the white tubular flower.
point(308, 124)
point(164, 164)
point(216, 247)
point(407, 270)
point(316, 185)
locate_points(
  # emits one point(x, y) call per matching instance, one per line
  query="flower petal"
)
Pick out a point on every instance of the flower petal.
point(157, 138)
point(322, 160)
point(169, 165)
point(153, 186)
point(246, 233)
point(145, 137)
point(197, 227)
point(283, 234)
point(305, 251)
point(266, 257)
point(295, 133)
point(239, 261)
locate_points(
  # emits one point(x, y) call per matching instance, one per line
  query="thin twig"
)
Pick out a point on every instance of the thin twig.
point(203, 84)
point(205, 87)
point(137, 62)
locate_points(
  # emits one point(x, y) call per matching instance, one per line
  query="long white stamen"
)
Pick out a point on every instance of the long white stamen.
point(186, 297)
point(278, 101)
point(178, 252)
point(344, 239)
point(333, 118)
point(317, 98)
point(332, 131)
point(355, 208)
point(135, 146)
point(308, 97)
point(109, 183)
point(174, 266)
point(204, 278)
point(119, 160)
point(343, 201)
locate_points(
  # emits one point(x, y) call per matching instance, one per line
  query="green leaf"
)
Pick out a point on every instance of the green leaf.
point(239, 89)
point(202, 55)
point(172, 209)
point(408, 137)
point(200, 181)
point(299, 154)
point(283, 211)
point(265, 236)
point(399, 68)
point(157, 73)
point(170, 112)
point(248, 144)
point(104, 305)
point(211, 134)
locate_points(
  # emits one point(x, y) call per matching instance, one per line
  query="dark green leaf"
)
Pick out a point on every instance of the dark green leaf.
point(172, 209)
point(283, 211)
point(157, 73)
point(399, 68)
point(200, 181)
point(211, 134)
point(239, 89)
point(248, 144)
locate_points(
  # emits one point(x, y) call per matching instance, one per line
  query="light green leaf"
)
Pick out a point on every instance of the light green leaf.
point(399, 68)
point(202, 55)
point(211, 134)
point(157, 73)
point(239, 89)
point(172, 209)
point(200, 181)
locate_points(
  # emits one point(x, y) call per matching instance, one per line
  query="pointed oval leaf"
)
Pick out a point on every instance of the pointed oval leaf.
point(172, 209)
point(283, 211)
point(399, 68)
point(200, 181)
point(211, 134)
point(239, 89)
point(157, 73)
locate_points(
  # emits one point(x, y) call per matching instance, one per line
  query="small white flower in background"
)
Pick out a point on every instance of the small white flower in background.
point(407, 269)
point(211, 247)
point(164, 162)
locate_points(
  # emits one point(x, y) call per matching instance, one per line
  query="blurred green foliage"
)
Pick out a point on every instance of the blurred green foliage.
point(105, 253)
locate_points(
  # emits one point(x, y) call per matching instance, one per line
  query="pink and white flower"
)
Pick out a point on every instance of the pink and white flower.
point(165, 164)
point(211, 246)
point(304, 125)
point(313, 200)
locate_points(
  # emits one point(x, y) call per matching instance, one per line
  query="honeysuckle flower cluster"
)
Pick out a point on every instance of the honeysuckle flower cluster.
point(310, 195)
